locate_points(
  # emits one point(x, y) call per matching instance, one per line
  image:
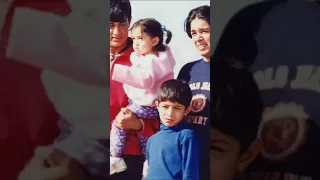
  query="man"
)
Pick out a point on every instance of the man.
point(120, 50)
point(236, 114)
point(278, 40)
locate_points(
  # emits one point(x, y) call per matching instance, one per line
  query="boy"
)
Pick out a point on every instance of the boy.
point(236, 114)
point(173, 152)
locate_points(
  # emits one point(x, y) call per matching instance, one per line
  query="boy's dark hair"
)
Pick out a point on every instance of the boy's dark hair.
point(120, 10)
point(153, 28)
point(237, 104)
point(202, 12)
point(175, 90)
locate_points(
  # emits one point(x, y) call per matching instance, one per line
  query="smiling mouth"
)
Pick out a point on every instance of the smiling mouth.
point(117, 39)
point(202, 47)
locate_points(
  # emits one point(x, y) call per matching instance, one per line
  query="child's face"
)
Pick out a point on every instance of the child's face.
point(142, 42)
point(225, 158)
point(171, 113)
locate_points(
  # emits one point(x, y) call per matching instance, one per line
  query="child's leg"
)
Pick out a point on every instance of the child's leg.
point(117, 144)
point(91, 154)
point(143, 112)
point(117, 140)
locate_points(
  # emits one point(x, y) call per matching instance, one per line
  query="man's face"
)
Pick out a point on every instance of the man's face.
point(118, 33)
point(224, 156)
point(200, 32)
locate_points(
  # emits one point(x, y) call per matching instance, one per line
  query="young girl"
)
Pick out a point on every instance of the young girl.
point(152, 64)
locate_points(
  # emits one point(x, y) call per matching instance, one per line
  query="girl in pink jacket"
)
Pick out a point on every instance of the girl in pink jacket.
point(152, 64)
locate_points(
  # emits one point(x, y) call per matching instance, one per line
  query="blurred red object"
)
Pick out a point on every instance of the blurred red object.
point(27, 117)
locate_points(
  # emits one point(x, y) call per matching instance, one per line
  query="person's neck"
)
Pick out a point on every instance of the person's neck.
point(207, 59)
point(117, 50)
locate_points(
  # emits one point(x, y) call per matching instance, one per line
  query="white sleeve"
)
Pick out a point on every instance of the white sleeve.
point(73, 46)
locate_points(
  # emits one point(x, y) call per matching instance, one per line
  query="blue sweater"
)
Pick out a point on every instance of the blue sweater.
point(173, 154)
point(197, 74)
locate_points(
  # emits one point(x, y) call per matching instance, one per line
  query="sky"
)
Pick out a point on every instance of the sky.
point(171, 14)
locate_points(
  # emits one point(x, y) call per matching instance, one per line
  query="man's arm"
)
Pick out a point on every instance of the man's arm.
point(71, 45)
point(128, 120)
point(149, 127)
point(190, 158)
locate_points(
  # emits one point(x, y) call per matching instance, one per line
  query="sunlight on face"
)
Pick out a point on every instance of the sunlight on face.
point(171, 113)
point(142, 42)
point(118, 34)
point(200, 33)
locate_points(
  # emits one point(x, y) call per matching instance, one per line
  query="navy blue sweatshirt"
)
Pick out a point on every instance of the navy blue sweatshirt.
point(197, 74)
point(279, 40)
point(173, 154)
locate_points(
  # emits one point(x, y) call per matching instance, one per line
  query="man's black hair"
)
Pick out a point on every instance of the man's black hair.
point(202, 12)
point(120, 10)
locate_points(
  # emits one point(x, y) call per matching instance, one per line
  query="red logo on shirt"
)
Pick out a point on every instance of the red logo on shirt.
point(198, 102)
point(283, 131)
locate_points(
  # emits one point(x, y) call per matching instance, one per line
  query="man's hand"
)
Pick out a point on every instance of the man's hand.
point(127, 120)
point(39, 168)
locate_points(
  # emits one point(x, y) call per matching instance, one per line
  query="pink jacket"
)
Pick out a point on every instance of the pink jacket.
point(142, 80)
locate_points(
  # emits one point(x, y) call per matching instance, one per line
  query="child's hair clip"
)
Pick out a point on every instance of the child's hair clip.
point(163, 27)
point(167, 34)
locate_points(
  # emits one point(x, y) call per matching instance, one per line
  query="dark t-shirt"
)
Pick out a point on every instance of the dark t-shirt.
point(197, 74)
point(279, 42)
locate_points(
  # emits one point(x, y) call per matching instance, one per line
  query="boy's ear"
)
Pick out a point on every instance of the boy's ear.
point(186, 112)
point(248, 157)
point(157, 104)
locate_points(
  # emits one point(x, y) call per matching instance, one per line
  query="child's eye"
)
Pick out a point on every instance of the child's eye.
point(177, 108)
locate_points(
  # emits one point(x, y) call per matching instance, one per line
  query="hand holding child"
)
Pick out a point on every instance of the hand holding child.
point(127, 120)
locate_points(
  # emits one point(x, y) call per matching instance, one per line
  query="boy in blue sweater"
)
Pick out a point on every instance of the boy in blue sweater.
point(173, 152)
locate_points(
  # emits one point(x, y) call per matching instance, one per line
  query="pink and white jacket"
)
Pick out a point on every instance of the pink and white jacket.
point(142, 80)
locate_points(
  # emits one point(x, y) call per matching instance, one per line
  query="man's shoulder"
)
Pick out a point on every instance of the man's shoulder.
point(190, 65)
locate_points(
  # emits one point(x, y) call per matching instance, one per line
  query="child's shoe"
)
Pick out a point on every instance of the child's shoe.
point(117, 165)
